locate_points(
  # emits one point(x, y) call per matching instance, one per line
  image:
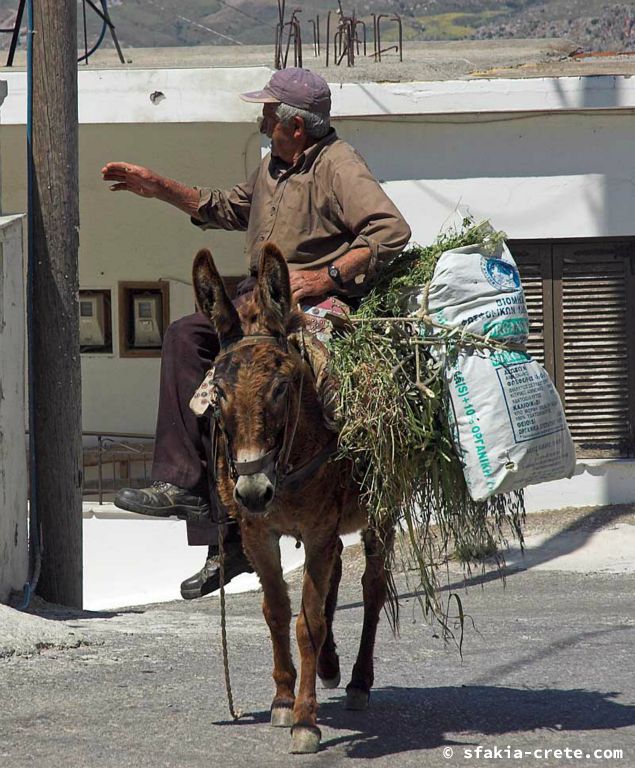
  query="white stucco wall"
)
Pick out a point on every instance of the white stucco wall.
point(13, 465)
point(542, 158)
point(559, 175)
point(123, 237)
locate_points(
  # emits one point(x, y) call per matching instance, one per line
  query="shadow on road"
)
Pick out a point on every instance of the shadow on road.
point(53, 612)
point(535, 657)
point(409, 719)
point(571, 538)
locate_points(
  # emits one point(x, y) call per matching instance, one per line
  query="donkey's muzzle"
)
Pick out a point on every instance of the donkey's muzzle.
point(254, 492)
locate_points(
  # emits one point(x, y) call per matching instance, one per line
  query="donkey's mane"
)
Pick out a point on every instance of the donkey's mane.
point(255, 318)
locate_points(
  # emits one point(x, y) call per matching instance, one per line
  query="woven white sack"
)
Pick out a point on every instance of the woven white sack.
point(507, 420)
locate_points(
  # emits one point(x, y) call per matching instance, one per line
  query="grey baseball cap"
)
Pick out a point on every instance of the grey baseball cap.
point(296, 87)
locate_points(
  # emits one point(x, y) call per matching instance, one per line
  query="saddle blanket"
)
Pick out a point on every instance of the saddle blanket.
point(321, 320)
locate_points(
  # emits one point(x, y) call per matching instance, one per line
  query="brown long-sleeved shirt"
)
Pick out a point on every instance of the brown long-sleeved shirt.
point(315, 210)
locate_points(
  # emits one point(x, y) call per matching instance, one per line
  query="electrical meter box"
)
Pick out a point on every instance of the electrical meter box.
point(147, 320)
point(91, 320)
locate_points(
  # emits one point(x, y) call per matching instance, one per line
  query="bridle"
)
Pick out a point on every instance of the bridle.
point(287, 477)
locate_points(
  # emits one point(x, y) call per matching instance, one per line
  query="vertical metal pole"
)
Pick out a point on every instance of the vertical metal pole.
point(298, 43)
point(374, 15)
point(85, 33)
point(35, 544)
point(100, 469)
point(16, 33)
point(286, 53)
point(277, 52)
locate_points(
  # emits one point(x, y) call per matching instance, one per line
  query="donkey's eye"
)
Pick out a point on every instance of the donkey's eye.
point(280, 390)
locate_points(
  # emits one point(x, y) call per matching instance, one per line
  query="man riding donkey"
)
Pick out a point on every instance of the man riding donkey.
point(315, 198)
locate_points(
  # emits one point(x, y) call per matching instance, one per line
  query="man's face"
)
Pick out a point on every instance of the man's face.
point(285, 142)
point(269, 119)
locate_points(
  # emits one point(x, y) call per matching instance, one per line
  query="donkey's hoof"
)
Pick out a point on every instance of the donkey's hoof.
point(281, 717)
point(332, 682)
point(357, 699)
point(305, 739)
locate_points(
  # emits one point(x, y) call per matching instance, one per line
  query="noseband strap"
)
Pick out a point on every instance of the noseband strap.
point(257, 465)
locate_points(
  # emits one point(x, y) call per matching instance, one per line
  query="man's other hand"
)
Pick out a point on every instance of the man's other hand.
point(310, 283)
point(133, 178)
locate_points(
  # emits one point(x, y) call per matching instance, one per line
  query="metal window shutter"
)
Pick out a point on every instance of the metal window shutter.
point(534, 265)
point(593, 318)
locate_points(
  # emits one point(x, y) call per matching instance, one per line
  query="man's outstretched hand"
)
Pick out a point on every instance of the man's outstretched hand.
point(146, 183)
point(132, 178)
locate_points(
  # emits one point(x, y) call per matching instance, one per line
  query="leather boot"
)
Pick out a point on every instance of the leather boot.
point(208, 578)
point(163, 500)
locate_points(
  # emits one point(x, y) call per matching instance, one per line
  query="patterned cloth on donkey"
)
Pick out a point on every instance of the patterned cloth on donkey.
point(322, 320)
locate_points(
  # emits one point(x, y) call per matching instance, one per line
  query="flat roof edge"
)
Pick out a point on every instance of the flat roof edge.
point(193, 96)
point(454, 97)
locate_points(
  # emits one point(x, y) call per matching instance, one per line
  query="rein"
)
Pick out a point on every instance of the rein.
point(287, 477)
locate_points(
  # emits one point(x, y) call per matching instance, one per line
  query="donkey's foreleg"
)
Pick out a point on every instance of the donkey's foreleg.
point(328, 668)
point(377, 548)
point(263, 549)
point(311, 632)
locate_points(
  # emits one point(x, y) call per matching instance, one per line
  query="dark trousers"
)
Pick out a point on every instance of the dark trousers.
point(182, 443)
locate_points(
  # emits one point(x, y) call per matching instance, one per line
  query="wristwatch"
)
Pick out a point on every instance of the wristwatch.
point(335, 275)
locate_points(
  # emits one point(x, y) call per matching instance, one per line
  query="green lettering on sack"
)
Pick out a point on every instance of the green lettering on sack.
point(504, 357)
point(503, 328)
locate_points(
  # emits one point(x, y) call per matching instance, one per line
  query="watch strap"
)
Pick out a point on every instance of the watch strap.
point(335, 275)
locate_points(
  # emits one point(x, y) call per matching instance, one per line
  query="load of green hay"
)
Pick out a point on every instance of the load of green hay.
point(393, 425)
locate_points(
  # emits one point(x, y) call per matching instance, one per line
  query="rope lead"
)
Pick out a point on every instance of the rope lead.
point(236, 714)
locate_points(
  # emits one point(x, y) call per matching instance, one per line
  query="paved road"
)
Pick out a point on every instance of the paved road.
point(549, 665)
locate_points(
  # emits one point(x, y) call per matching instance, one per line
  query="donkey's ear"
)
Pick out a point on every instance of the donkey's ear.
point(212, 297)
point(274, 290)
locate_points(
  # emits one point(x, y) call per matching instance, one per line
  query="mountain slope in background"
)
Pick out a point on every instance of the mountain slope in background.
point(607, 27)
point(594, 24)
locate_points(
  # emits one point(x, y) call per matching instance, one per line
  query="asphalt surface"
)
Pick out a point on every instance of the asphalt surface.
point(547, 664)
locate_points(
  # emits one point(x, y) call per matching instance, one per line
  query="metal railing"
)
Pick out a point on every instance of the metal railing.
point(115, 460)
point(347, 35)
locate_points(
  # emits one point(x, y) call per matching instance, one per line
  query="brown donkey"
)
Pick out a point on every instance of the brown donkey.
point(274, 472)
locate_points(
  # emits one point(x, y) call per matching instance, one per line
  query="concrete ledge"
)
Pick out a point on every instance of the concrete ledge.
point(131, 559)
point(596, 482)
point(13, 468)
point(153, 96)
point(135, 560)
point(486, 96)
point(210, 94)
